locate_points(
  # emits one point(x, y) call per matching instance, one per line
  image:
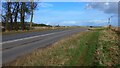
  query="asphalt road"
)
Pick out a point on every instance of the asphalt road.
point(14, 46)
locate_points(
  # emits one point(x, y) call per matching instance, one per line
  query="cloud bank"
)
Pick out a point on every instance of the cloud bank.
point(106, 7)
point(80, 23)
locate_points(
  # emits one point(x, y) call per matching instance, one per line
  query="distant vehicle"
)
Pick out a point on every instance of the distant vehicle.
point(91, 26)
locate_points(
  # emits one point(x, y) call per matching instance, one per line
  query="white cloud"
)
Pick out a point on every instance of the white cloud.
point(63, 23)
point(88, 6)
point(80, 23)
point(106, 3)
point(45, 5)
point(68, 22)
point(98, 21)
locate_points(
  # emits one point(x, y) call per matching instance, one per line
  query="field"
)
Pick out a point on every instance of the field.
point(35, 29)
point(96, 47)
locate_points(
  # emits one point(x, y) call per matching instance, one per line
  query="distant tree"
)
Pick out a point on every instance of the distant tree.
point(42, 25)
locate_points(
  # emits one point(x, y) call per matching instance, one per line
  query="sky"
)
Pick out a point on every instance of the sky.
point(76, 13)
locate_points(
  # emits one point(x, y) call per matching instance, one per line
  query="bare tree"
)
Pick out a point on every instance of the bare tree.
point(16, 16)
point(14, 11)
point(8, 16)
point(22, 15)
point(33, 6)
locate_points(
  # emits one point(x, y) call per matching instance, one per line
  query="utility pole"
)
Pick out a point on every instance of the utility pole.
point(109, 19)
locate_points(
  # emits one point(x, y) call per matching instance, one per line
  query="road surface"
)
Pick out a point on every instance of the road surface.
point(14, 46)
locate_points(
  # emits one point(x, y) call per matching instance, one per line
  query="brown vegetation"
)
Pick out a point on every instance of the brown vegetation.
point(107, 54)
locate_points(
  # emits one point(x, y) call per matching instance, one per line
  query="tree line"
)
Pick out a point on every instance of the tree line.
point(14, 15)
point(42, 25)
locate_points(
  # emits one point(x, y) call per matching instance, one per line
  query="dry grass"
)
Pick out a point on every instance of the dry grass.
point(97, 28)
point(116, 29)
point(107, 54)
point(38, 29)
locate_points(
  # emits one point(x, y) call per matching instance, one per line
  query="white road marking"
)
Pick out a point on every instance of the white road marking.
point(29, 37)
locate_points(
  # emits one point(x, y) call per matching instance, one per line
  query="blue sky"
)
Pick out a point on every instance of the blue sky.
point(75, 13)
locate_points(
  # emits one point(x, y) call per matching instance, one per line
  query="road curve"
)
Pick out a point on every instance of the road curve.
point(14, 46)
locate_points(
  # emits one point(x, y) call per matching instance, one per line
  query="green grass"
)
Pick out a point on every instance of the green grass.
point(86, 47)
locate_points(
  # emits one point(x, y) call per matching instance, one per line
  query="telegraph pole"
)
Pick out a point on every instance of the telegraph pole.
point(109, 19)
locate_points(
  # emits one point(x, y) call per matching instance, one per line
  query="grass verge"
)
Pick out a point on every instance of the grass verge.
point(107, 54)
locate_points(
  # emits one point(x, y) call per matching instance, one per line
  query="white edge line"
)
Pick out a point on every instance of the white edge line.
point(28, 38)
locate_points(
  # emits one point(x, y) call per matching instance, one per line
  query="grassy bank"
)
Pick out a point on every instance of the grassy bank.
point(96, 47)
point(107, 54)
